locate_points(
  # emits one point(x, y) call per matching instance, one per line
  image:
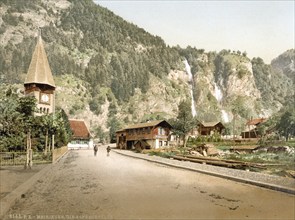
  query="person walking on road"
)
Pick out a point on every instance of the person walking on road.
point(95, 149)
point(108, 150)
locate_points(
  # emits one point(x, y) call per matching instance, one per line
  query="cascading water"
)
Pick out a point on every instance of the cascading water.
point(225, 116)
point(217, 92)
point(190, 75)
point(218, 95)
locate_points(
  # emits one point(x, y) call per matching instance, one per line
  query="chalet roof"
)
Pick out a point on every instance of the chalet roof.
point(39, 70)
point(256, 121)
point(211, 124)
point(251, 129)
point(79, 129)
point(144, 125)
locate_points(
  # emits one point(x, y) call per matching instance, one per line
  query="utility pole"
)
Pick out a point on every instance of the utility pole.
point(234, 126)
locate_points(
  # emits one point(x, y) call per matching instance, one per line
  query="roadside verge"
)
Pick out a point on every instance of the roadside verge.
point(9, 200)
point(282, 184)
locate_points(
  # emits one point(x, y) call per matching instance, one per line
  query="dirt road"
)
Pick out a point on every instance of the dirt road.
point(82, 186)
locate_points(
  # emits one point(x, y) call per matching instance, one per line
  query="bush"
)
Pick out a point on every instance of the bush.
point(10, 19)
point(242, 72)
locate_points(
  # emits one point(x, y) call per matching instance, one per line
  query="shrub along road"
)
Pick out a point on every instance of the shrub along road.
point(83, 186)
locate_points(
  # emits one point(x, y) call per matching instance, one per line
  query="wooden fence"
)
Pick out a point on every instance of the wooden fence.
point(58, 152)
point(12, 158)
point(19, 158)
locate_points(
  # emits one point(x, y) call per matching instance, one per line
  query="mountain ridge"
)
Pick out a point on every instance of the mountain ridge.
point(129, 75)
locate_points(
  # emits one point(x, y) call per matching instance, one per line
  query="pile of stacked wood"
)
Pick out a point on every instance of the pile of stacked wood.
point(206, 154)
point(219, 162)
point(204, 150)
point(290, 173)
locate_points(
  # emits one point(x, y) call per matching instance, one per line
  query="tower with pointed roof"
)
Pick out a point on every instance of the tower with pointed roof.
point(39, 80)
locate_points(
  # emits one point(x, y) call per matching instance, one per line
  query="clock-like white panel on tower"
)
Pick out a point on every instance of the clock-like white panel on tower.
point(45, 98)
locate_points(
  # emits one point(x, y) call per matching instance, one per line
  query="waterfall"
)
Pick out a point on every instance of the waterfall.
point(225, 116)
point(217, 92)
point(218, 95)
point(188, 70)
point(190, 76)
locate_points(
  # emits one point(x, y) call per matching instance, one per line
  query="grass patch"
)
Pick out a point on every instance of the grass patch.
point(223, 147)
point(161, 154)
point(166, 153)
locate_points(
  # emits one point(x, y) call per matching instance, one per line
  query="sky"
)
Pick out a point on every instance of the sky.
point(261, 28)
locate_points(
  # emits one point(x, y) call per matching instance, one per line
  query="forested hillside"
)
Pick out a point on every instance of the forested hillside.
point(89, 42)
point(111, 72)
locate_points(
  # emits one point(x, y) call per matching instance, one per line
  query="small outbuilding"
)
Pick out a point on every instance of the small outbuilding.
point(81, 138)
point(251, 130)
point(208, 128)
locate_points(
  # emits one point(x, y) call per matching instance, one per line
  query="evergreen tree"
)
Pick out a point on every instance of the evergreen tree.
point(184, 122)
point(114, 125)
point(286, 124)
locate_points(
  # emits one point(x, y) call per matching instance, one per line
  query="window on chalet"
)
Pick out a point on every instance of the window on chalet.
point(161, 131)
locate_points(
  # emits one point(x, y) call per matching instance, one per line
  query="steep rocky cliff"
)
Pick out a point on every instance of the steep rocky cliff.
point(285, 63)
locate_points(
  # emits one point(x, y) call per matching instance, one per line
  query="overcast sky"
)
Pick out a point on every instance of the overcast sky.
point(261, 28)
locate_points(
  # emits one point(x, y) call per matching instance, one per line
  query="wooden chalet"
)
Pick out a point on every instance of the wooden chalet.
point(251, 130)
point(208, 128)
point(81, 138)
point(154, 134)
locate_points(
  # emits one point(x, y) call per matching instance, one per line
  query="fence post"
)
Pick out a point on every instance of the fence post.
point(46, 142)
point(30, 158)
point(52, 142)
point(52, 156)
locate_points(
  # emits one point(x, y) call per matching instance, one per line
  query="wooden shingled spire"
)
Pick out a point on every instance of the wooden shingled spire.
point(39, 71)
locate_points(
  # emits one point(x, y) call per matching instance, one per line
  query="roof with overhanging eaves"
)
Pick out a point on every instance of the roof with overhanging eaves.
point(212, 124)
point(79, 128)
point(39, 70)
point(145, 125)
point(256, 121)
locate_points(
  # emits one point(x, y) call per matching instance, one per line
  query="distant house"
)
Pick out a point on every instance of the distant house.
point(194, 132)
point(251, 130)
point(147, 135)
point(81, 138)
point(208, 128)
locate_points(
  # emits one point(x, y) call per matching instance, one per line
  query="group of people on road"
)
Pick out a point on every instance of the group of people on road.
point(95, 148)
